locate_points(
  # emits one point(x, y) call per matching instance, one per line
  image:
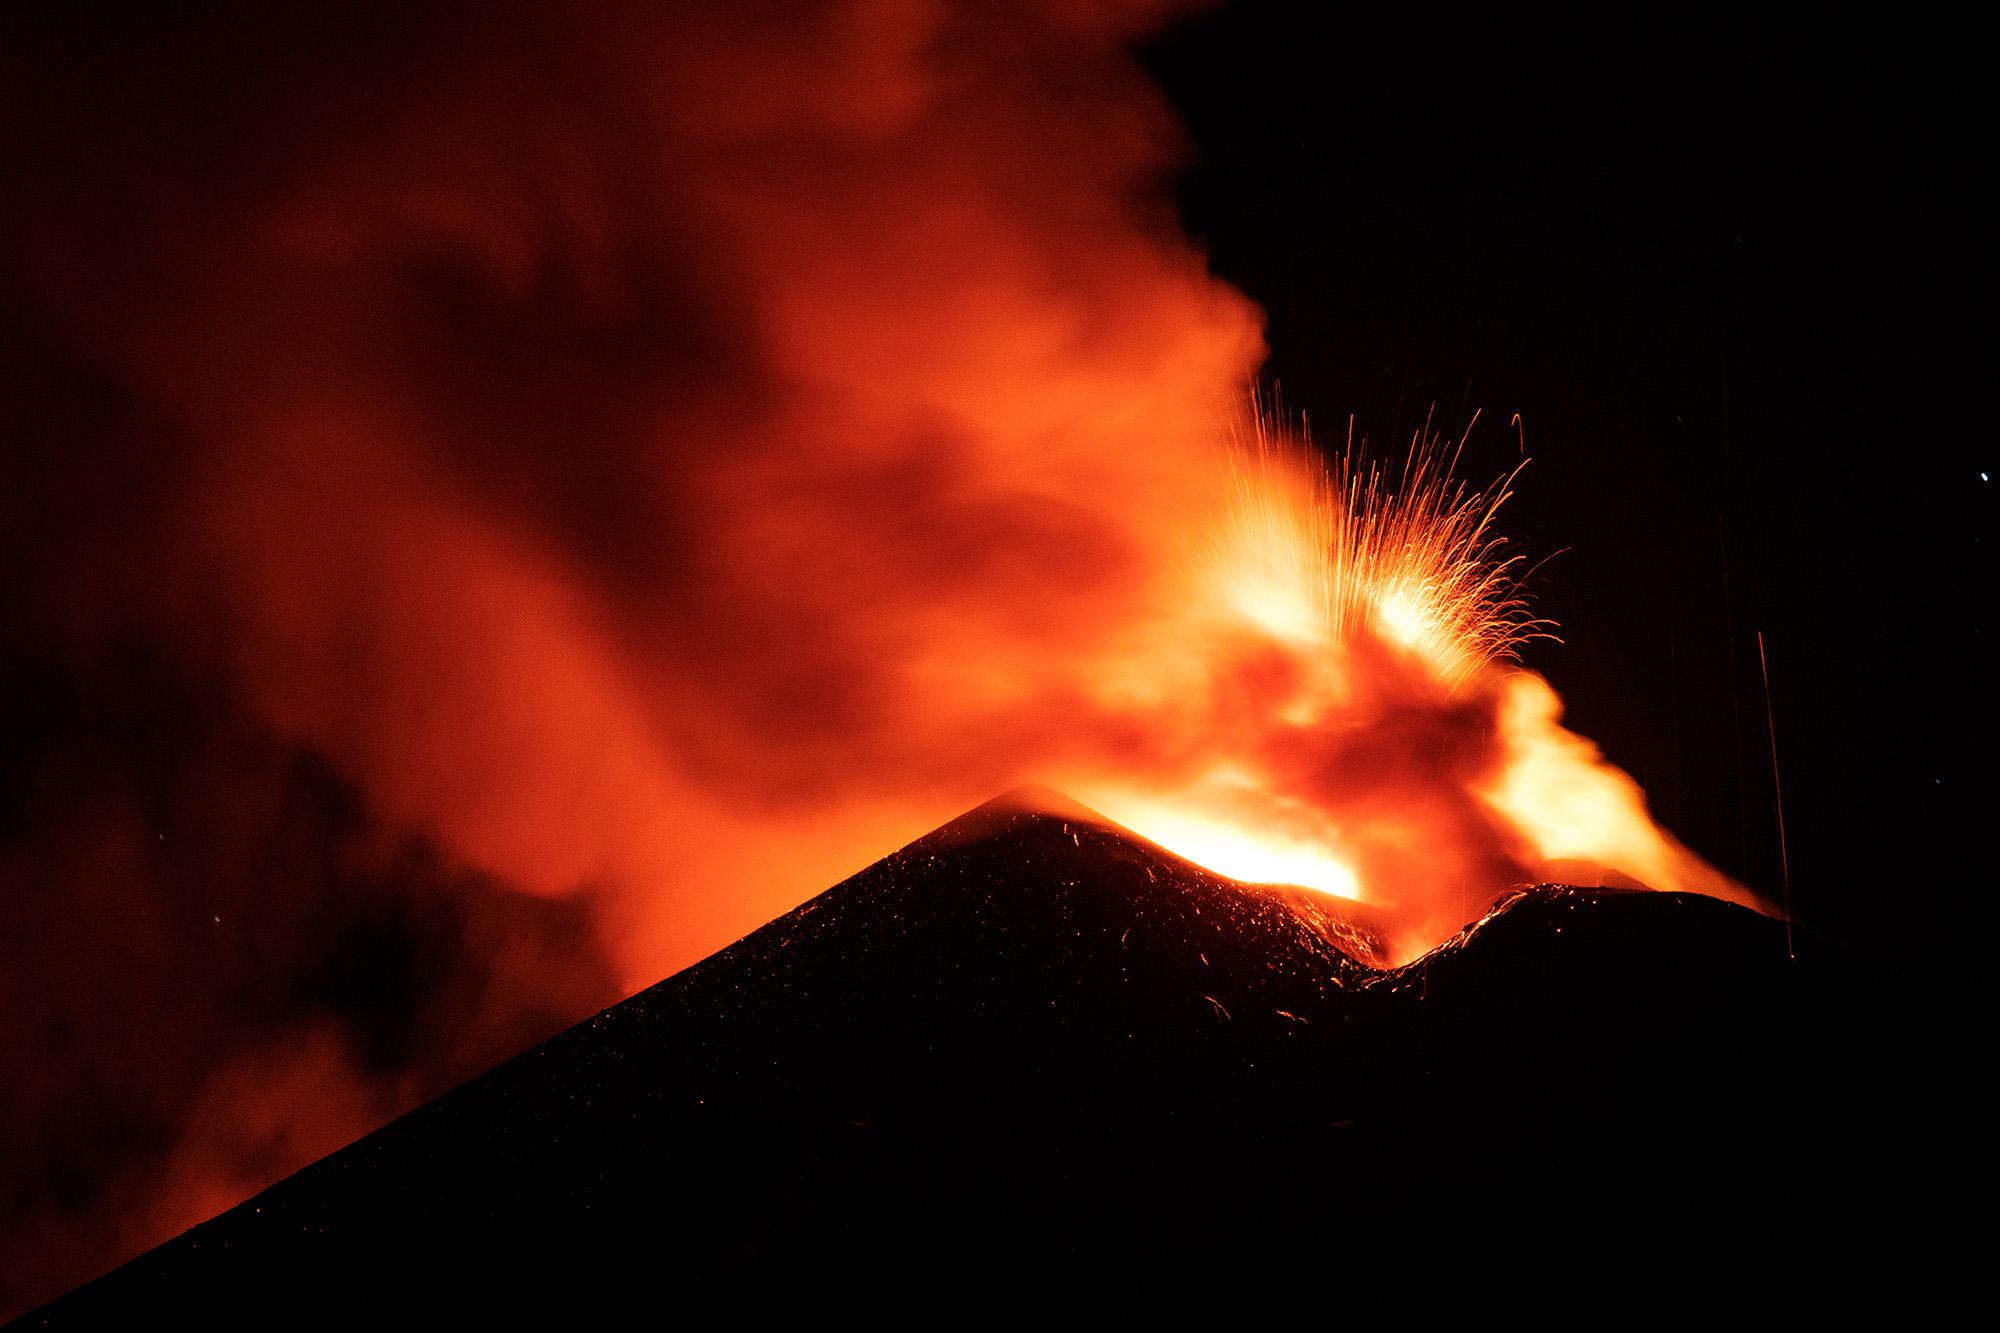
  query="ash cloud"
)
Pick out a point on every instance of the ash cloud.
point(502, 502)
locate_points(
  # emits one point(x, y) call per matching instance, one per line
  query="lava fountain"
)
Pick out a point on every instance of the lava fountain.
point(1346, 709)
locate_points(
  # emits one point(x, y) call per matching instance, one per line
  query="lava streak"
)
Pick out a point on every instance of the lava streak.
point(1348, 710)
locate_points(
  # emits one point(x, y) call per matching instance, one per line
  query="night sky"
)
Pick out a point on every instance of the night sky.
point(1732, 277)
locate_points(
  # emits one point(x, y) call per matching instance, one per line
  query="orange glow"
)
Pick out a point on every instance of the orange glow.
point(1346, 714)
point(1201, 827)
point(1575, 808)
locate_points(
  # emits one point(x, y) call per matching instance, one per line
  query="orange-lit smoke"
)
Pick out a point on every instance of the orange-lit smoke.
point(1330, 690)
point(666, 457)
point(674, 456)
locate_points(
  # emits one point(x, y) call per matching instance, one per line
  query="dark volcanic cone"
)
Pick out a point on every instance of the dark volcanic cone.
point(1031, 1057)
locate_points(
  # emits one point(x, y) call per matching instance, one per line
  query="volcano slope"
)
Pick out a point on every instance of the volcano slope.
point(1031, 1064)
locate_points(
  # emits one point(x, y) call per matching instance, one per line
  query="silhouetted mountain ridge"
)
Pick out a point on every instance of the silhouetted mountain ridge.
point(1031, 1052)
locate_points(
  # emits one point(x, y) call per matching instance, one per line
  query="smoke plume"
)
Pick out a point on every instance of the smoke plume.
point(502, 502)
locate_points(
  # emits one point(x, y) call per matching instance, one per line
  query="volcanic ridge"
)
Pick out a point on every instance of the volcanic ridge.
point(1032, 1060)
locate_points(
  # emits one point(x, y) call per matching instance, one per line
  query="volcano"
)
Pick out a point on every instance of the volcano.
point(1032, 1065)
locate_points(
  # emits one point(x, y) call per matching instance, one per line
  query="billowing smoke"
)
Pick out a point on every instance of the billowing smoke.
point(501, 502)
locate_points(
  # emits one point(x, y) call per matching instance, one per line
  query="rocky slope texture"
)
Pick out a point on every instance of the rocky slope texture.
point(1031, 1064)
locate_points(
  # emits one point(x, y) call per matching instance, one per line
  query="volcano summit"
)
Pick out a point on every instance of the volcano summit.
point(1032, 1063)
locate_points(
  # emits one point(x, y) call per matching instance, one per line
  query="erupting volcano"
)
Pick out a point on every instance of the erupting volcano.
point(505, 505)
point(1331, 702)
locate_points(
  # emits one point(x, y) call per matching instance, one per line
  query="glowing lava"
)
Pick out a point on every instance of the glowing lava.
point(1346, 713)
point(1190, 824)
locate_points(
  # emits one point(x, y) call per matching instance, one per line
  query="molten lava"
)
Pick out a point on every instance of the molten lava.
point(1349, 714)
